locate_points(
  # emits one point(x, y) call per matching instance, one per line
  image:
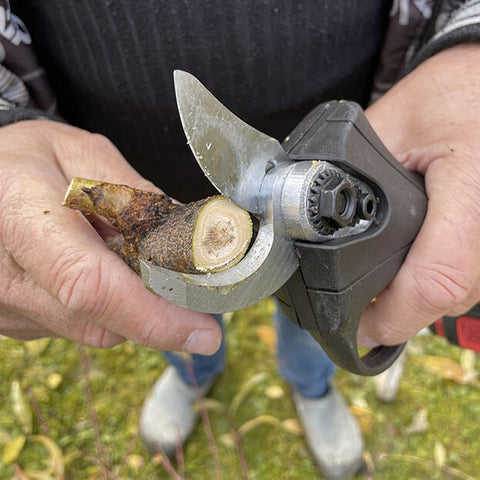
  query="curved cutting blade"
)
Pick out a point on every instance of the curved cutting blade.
point(232, 154)
point(269, 263)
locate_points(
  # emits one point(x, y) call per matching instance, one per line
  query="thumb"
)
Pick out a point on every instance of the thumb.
point(441, 272)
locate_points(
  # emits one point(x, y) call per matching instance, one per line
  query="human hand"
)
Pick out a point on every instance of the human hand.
point(430, 122)
point(57, 277)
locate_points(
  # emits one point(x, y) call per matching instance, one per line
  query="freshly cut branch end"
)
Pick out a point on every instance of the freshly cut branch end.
point(207, 236)
point(221, 236)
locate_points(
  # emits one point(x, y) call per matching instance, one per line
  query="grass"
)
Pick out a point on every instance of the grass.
point(74, 413)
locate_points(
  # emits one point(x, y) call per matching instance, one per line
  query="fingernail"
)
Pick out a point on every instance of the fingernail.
point(204, 342)
point(366, 342)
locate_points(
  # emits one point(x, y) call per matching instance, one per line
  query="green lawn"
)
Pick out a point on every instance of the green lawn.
point(67, 412)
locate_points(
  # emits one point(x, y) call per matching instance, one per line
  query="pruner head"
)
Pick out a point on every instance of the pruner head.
point(236, 158)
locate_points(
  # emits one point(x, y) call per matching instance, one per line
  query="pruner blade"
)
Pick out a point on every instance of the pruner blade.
point(231, 153)
point(236, 158)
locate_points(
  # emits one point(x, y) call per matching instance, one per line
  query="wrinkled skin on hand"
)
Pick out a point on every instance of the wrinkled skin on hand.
point(430, 121)
point(57, 277)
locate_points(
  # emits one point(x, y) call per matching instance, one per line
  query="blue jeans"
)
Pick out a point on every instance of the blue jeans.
point(301, 360)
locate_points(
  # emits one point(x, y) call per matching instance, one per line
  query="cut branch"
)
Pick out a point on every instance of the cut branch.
point(207, 236)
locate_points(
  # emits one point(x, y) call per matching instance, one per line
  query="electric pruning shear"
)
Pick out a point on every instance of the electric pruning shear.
point(336, 214)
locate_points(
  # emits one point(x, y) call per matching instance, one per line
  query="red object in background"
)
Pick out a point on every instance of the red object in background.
point(463, 330)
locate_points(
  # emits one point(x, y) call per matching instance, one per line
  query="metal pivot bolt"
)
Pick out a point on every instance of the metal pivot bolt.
point(366, 205)
point(337, 201)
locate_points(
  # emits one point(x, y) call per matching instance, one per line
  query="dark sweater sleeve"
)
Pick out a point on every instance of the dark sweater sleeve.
point(11, 114)
point(461, 26)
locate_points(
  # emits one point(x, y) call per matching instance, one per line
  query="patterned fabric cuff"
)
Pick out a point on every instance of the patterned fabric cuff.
point(11, 114)
point(463, 26)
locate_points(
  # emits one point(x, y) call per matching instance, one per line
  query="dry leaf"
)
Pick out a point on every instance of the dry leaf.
point(245, 390)
point(135, 461)
point(227, 440)
point(415, 348)
point(35, 348)
point(210, 404)
point(158, 459)
point(255, 422)
point(56, 465)
point(419, 423)
point(38, 475)
point(369, 463)
point(274, 392)
point(359, 399)
point(364, 417)
point(292, 425)
point(227, 317)
point(442, 366)
point(129, 348)
point(468, 360)
point(439, 454)
point(13, 449)
point(268, 336)
point(54, 380)
point(21, 407)
point(70, 457)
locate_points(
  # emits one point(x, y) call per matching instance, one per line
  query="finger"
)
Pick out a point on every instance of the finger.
point(441, 272)
point(83, 154)
point(72, 151)
point(63, 254)
point(28, 311)
point(18, 327)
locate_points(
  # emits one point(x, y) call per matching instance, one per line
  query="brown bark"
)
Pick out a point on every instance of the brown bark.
point(132, 211)
point(200, 237)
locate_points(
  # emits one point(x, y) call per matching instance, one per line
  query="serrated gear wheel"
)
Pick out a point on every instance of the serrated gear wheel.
point(323, 180)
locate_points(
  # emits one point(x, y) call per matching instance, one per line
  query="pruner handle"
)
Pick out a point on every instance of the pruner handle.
point(333, 318)
point(337, 279)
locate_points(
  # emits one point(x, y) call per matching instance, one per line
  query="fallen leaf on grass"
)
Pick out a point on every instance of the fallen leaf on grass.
point(369, 464)
point(468, 360)
point(442, 366)
point(439, 454)
point(21, 407)
point(135, 461)
point(70, 457)
point(292, 425)
point(158, 459)
point(364, 417)
point(228, 317)
point(419, 423)
point(245, 389)
point(210, 404)
point(227, 440)
point(255, 422)
point(267, 335)
point(274, 392)
point(54, 380)
point(56, 465)
point(34, 348)
point(13, 449)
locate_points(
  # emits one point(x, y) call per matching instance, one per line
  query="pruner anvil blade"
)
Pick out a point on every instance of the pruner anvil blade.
point(238, 160)
point(258, 275)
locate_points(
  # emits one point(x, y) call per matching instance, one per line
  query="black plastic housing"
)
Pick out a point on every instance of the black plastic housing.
point(337, 279)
